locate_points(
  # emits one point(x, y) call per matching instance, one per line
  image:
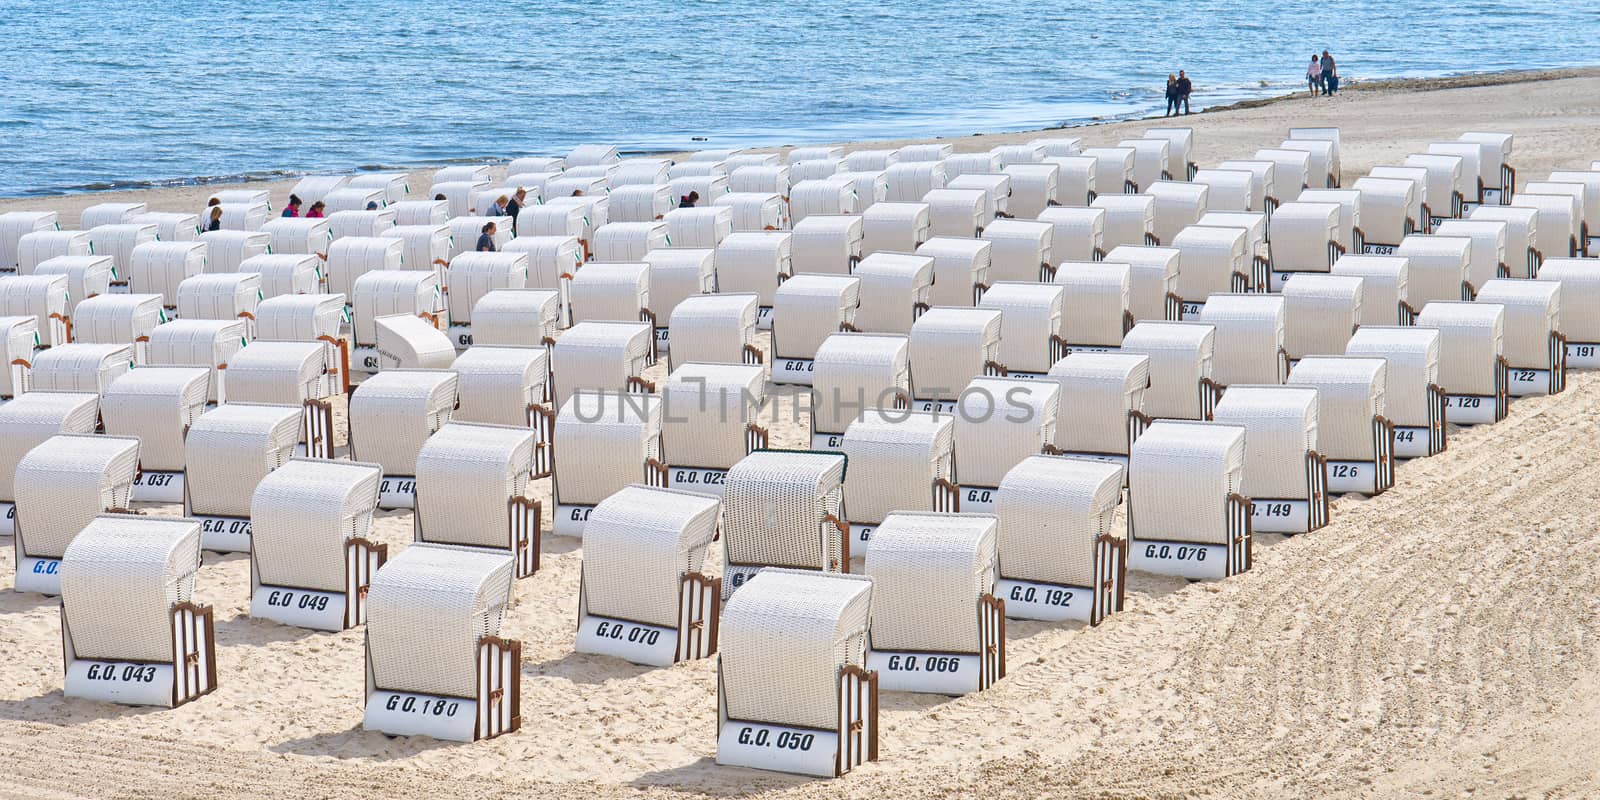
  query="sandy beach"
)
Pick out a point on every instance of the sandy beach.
point(1438, 640)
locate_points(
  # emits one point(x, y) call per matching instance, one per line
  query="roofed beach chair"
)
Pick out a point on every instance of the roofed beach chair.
point(807, 309)
point(1213, 261)
point(894, 291)
point(156, 405)
point(118, 242)
point(957, 212)
point(1075, 179)
point(87, 276)
point(1152, 281)
point(784, 508)
point(900, 462)
point(1322, 168)
point(640, 203)
point(644, 596)
point(1437, 268)
point(385, 293)
point(131, 632)
point(1353, 429)
point(714, 421)
point(1250, 333)
point(119, 319)
point(1062, 556)
point(921, 153)
point(311, 561)
point(830, 195)
point(601, 356)
point(226, 250)
point(1114, 169)
point(503, 385)
point(473, 275)
point(552, 261)
point(896, 227)
point(16, 224)
point(1034, 188)
point(1178, 205)
point(757, 263)
point(27, 422)
point(1000, 422)
point(1187, 515)
point(1320, 314)
point(1387, 215)
point(1033, 325)
point(1151, 159)
point(1351, 234)
point(391, 415)
point(614, 293)
point(960, 269)
point(38, 247)
point(517, 318)
point(1488, 258)
point(716, 329)
point(948, 348)
point(471, 491)
point(1022, 250)
point(61, 485)
point(958, 164)
point(19, 340)
point(1414, 400)
point(1443, 186)
point(996, 188)
point(793, 694)
point(1561, 229)
point(1291, 171)
point(937, 626)
point(1181, 355)
point(1104, 394)
point(1227, 190)
point(1080, 233)
point(159, 267)
point(79, 367)
point(856, 372)
point(1497, 174)
point(910, 181)
point(1305, 238)
point(1285, 477)
point(1263, 183)
point(1183, 151)
point(1535, 346)
point(1589, 245)
point(231, 296)
point(43, 297)
point(299, 374)
point(436, 664)
point(1419, 178)
point(228, 451)
point(604, 441)
point(1522, 256)
point(827, 244)
point(1580, 312)
point(1130, 220)
point(702, 227)
point(1384, 287)
point(755, 211)
point(285, 274)
point(354, 256)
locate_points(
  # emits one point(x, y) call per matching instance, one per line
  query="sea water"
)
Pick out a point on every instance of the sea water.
point(127, 93)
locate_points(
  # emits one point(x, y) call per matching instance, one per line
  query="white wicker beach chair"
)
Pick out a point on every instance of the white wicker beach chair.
point(393, 184)
point(436, 665)
point(1354, 433)
point(1488, 257)
point(130, 630)
point(61, 485)
point(1151, 158)
point(1321, 312)
point(352, 257)
point(1250, 334)
point(1561, 228)
point(19, 340)
point(784, 509)
point(28, 421)
point(806, 310)
point(826, 245)
point(1443, 185)
point(1075, 179)
point(996, 187)
point(960, 269)
point(228, 451)
point(1284, 475)
point(301, 374)
point(1419, 178)
point(1130, 219)
point(675, 276)
point(613, 293)
point(1495, 171)
point(806, 705)
point(16, 224)
point(949, 347)
point(1212, 261)
point(1304, 237)
point(1322, 170)
point(516, 317)
point(458, 193)
point(757, 263)
point(1263, 182)
point(117, 242)
point(311, 561)
point(1388, 213)
point(1414, 401)
point(426, 246)
point(930, 573)
point(1113, 172)
point(716, 329)
point(1522, 254)
point(1021, 250)
point(910, 181)
point(893, 227)
point(390, 292)
point(1228, 189)
point(1472, 155)
point(640, 203)
point(156, 405)
point(1034, 325)
point(895, 289)
point(1060, 556)
point(1034, 188)
point(230, 296)
point(1152, 281)
point(957, 212)
point(1384, 287)
point(249, 216)
point(1058, 146)
point(226, 250)
point(471, 484)
point(1181, 156)
point(703, 227)
point(813, 169)
point(999, 422)
point(87, 276)
point(629, 241)
point(710, 421)
point(1330, 135)
point(285, 274)
point(1437, 268)
point(1105, 393)
point(1561, 183)
point(1181, 355)
point(79, 367)
point(834, 194)
point(709, 186)
point(856, 372)
point(119, 319)
point(755, 211)
point(863, 160)
point(1012, 154)
point(1351, 234)
point(920, 153)
point(1187, 516)
point(636, 172)
point(43, 297)
point(900, 462)
point(158, 267)
point(1178, 205)
point(504, 385)
point(1535, 347)
point(958, 164)
point(643, 596)
point(1291, 171)
point(552, 261)
point(770, 178)
point(38, 247)
point(391, 415)
point(1579, 279)
point(538, 164)
point(198, 343)
point(602, 357)
point(473, 275)
point(312, 188)
point(604, 441)
point(590, 154)
point(1080, 233)
point(464, 232)
point(1095, 304)
point(345, 198)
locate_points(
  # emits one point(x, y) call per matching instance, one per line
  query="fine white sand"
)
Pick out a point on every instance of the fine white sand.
point(1438, 640)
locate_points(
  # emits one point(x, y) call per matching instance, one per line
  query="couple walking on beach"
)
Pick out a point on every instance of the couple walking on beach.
point(1178, 89)
point(1323, 75)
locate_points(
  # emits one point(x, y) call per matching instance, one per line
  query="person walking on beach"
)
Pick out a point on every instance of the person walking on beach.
point(688, 200)
point(514, 207)
point(1184, 88)
point(1330, 75)
point(293, 208)
point(215, 223)
point(316, 210)
point(1172, 95)
point(1314, 75)
point(486, 239)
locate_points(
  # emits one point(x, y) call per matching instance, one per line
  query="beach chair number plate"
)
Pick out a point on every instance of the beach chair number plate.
point(40, 575)
point(1350, 476)
point(158, 487)
point(120, 682)
point(1287, 516)
point(302, 608)
point(933, 673)
point(407, 714)
point(568, 520)
point(630, 641)
point(663, 339)
point(1372, 249)
point(1048, 602)
point(793, 370)
point(764, 318)
point(826, 441)
point(1461, 409)
point(935, 406)
point(1183, 559)
point(365, 359)
point(397, 492)
point(8, 519)
point(696, 479)
point(1583, 356)
point(978, 500)
point(778, 748)
point(1191, 309)
point(735, 576)
point(461, 336)
point(225, 534)
point(1526, 382)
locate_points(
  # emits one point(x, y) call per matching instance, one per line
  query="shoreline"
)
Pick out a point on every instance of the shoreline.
point(277, 176)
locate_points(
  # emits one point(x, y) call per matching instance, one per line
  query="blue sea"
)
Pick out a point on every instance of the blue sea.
point(127, 93)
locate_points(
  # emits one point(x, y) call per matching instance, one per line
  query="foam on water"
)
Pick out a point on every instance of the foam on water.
point(132, 93)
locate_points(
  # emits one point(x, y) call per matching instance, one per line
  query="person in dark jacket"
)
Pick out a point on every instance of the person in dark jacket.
point(1172, 95)
point(293, 208)
point(688, 200)
point(215, 222)
point(514, 207)
point(1184, 88)
point(1330, 75)
point(486, 239)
